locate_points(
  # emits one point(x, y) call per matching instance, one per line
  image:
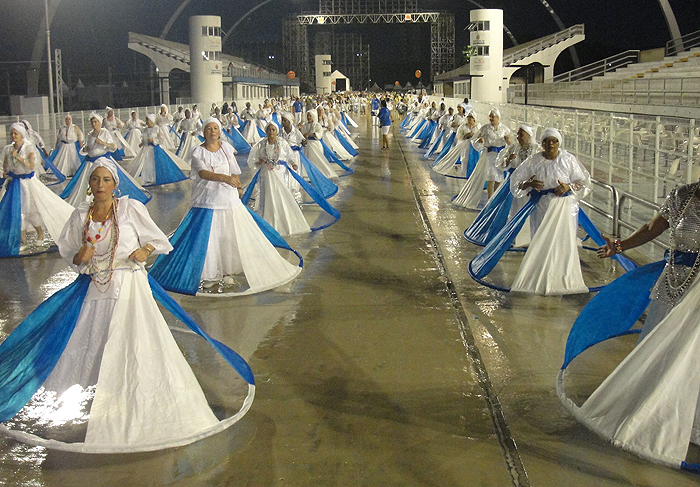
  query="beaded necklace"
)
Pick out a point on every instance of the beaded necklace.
point(101, 265)
point(676, 291)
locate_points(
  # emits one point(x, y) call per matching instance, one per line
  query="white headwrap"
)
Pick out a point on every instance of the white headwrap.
point(19, 127)
point(288, 116)
point(151, 117)
point(495, 111)
point(107, 164)
point(273, 124)
point(313, 114)
point(551, 132)
point(211, 120)
point(464, 106)
point(471, 114)
point(165, 106)
point(95, 115)
point(27, 125)
point(527, 129)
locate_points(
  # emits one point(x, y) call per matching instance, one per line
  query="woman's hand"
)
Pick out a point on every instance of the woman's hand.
point(607, 250)
point(562, 189)
point(533, 183)
point(142, 253)
point(233, 181)
point(84, 255)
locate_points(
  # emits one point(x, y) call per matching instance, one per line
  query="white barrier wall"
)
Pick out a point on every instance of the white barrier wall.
point(205, 58)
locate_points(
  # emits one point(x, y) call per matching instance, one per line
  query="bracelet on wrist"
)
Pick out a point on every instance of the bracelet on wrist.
point(617, 245)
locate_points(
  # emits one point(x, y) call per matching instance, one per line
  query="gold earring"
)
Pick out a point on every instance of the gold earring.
point(89, 191)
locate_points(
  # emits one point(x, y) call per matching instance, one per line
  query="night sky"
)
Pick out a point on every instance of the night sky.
point(93, 34)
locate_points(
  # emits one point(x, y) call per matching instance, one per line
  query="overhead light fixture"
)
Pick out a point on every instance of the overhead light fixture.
point(321, 19)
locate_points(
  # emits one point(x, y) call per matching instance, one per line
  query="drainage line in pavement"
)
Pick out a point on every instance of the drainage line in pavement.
point(505, 439)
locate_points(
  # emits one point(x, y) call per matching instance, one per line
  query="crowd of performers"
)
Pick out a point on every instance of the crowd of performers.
point(526, 188)
point(256, 177)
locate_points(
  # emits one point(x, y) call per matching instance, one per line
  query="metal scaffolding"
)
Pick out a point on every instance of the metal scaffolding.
point(349, 54)
point(295, 47)
point(350, 7)
point(59, 80)
point(442, 45)
point(342, 46)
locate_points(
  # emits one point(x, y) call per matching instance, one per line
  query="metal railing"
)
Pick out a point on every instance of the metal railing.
point(644, 91)
point(545, 42)
point(163, 48)
point(599, 68)
point(683, 43)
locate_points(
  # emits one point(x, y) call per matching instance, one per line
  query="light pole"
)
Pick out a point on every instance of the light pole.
point(48, 52)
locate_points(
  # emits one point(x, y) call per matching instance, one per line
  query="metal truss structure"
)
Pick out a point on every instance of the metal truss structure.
point(58, 59)
point(345, 12)
point(352, 7)
point(349, 54)
point(295, 51)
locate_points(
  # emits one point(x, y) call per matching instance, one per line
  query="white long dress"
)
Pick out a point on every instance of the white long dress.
point(164, 122)
point(460, 152)
point(133, 134)
point(314, 150)
point(121, 372)
point(276, 202)
point(551, 264)
point(493, 137)
point(67, 160)
point(144, 165)
point(40, 207)
point(236, 243)
point(113, 126)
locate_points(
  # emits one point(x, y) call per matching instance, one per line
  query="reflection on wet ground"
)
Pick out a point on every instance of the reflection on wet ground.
point(382, 364)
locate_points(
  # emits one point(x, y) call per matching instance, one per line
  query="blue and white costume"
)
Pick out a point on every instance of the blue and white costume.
point(103, 353)
point(155, 165)
point(220, 238)
point(461, 160)
point(66, 156)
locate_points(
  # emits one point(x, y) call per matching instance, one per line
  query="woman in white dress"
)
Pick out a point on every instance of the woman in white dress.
point(154, 165)
point(109, 356)
point(99, 143)
point(314, 150)
point(25, 203)
point(555, 181)
point(113, 124)
point(250, 130)
point(164, 120)
point(275, 202)
point(461, 159)
point(68, 142)
point(328, 136)
point(494, 136)
point(133, 134)
point(190, 130)
point(220, 243)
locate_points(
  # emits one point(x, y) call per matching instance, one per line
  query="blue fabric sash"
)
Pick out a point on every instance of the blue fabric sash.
point(613, 311)
point(481, 265)
point(117, 155)
point(681, 258)
point(332, 158)
point(242, 125)
point(180, 138)
point(473, 160)
point(495, 149)
point(71, 184)
point(261, 132)
point(181, 144)
point(11, 216)
point(276, 120)
point(425, 142)
point(48, 162)
point(166, 170)
point(31, 351)
point(418, 128)
point(323, 185)
point(596, 236)
point(427, 131)
point(435, 145)
point(315, 195)
point(180, 271)
point(238, 141)
point(448, 145)
point(233, 359)
point(405, 120)
point(346, 145)
point(492, 218)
